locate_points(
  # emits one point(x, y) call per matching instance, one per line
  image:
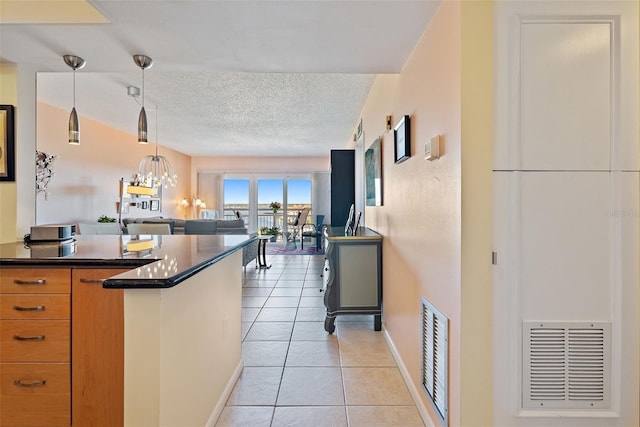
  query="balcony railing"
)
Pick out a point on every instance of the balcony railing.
point(266, 218)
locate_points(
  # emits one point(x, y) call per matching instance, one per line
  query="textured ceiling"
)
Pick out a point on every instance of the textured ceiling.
point(277, 114)
point(230, 77)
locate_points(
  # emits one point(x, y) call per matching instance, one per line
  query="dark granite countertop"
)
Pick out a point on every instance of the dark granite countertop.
point(156, 261)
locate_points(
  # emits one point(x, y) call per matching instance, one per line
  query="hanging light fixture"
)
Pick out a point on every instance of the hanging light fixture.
point(76, 63)
point(157, 170)
point(143, 62)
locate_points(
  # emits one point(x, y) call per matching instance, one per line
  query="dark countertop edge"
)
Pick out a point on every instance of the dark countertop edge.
point(172, 281)
point(77, 262)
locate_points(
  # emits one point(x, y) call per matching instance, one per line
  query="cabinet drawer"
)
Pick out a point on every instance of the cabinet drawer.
point(41, 398)
point(34, 306)
point(42, 340)
point(35, 280)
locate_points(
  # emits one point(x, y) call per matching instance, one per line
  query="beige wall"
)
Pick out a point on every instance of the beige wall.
point(476, 373)
point(85, 184)
point(182, 347)
point(426, 202)
point(257, 165)
point(8, 201)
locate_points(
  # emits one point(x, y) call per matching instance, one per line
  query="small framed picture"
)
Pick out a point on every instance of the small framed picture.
point(402, 140)
point(7, 144)
point(124, 208)
point(144, 205)
point(154, 205)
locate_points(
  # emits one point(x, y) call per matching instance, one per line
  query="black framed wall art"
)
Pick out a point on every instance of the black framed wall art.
point(7, 144)
point(402, 140)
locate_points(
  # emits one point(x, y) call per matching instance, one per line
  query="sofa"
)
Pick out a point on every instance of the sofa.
point(219, 226)
point(214, 226)
point(175, 224)
point(204, 226)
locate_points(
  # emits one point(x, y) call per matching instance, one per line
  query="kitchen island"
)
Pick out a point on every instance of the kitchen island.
point(146, 330)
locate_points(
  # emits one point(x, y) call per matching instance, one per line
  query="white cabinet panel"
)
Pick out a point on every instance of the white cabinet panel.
point(565, 96)
point(565, 246)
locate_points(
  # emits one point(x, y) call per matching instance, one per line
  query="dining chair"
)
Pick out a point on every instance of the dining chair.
point(87, 228)
point(136, 228)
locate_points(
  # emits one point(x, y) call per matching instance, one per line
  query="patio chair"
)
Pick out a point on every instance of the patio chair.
point(313, 230)
point(297, 224)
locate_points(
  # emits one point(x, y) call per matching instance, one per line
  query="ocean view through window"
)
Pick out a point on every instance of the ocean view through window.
point(251, 199)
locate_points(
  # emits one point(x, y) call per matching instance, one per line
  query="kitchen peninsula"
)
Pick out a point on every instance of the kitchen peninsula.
point(120, 330)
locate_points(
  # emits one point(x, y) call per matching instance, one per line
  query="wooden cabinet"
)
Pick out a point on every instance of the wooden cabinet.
point(353, 275)
point(62, 348)
point(98, 349)
point(35, 342)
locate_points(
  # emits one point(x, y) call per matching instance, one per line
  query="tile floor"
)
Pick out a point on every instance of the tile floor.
point(295, 374)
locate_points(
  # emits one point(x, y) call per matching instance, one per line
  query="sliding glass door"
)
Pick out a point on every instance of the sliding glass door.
point(236, 199)
point(253, 196)
point(270, 193)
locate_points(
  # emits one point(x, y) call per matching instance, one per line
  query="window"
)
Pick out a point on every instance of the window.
point(236, 198)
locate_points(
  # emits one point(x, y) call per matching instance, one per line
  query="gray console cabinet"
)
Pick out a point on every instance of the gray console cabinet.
point(352, 275)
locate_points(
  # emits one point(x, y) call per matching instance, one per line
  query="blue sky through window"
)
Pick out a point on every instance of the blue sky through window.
point(269, 190)
point(299, 191)
point(236, 191)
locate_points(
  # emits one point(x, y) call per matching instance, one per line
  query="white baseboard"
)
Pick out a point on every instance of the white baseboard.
point(213, 418)
point(415, 393)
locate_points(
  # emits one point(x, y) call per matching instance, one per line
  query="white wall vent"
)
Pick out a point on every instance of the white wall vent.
point(566, 365)
point(435, 356)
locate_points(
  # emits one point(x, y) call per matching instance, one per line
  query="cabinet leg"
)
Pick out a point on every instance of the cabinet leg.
point(262, 254)
point(377, 322)
point(329, 324)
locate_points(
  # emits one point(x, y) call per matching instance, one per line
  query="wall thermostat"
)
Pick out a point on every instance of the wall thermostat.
point(432, 148)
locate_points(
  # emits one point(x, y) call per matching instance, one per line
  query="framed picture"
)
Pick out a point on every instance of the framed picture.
point(124, 208)
point(402, 140)
point(154, 205)
point(373, 174)
point(144, 204)
point(7, 154)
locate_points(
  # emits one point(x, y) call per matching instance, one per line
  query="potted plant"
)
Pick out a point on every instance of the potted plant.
point(104, 218)
point(270, 231)
point(275, 206)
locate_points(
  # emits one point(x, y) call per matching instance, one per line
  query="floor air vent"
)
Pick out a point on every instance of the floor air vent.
point(566, 365)
point(435, 355)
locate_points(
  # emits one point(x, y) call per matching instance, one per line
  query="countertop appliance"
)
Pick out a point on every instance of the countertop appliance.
point(52, 233)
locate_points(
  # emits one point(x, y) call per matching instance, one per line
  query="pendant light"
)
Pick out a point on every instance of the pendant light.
point(157, 170)
point(143, 62)
point(76, 63)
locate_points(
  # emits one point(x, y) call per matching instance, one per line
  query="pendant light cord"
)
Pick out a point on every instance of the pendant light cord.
point(74, 88)
point(156, 130)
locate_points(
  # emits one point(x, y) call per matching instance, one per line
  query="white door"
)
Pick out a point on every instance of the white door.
point(566, 196)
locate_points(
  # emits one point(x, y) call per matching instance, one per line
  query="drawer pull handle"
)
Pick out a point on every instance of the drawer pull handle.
point(19, 383)
point(34, 338)
point(30, 282)
point(82, 280)
point(36, 308)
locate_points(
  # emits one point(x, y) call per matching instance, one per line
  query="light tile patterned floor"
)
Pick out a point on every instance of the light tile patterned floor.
point(295, 373)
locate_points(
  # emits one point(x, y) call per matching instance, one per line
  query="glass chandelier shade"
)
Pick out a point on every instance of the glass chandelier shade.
point(76, 63)
point(156, 170)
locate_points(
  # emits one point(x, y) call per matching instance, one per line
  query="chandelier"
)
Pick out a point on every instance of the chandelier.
point(155, 170)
